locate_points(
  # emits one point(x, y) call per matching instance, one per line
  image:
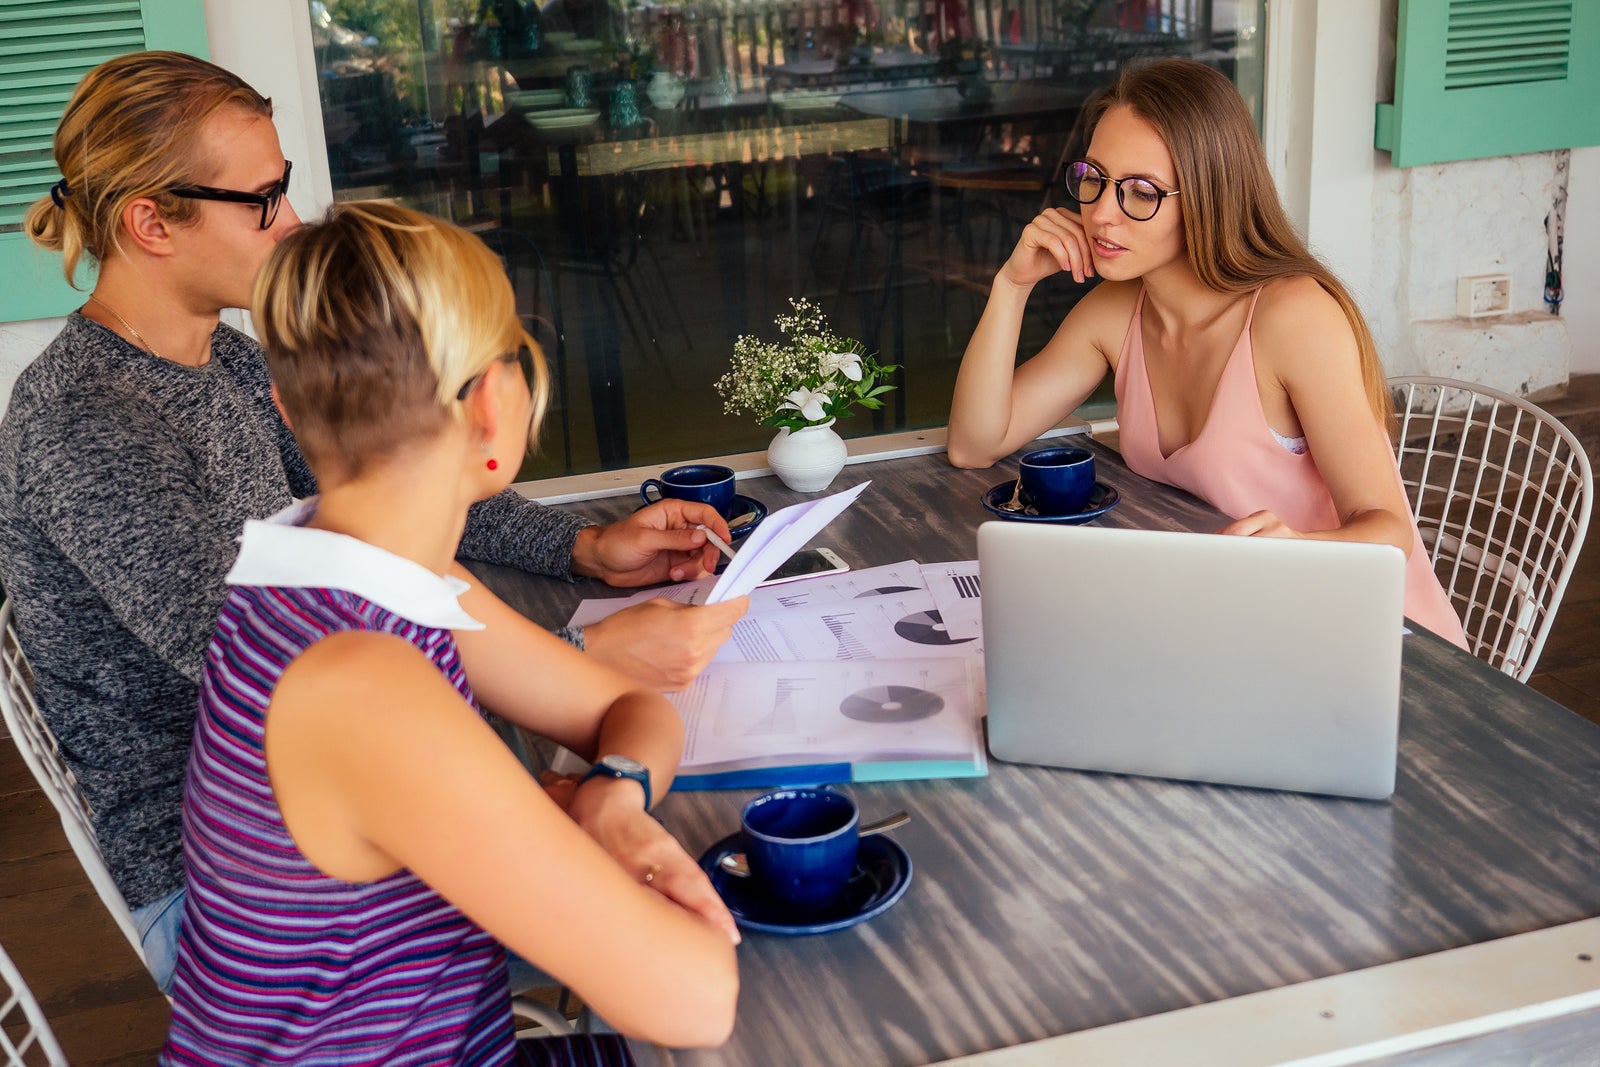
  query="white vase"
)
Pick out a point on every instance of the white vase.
point(807, 460)
point(665, 91)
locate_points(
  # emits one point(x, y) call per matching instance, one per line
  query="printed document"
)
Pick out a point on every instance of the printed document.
point(748, 715)
point(824, 588)
point(780, 535)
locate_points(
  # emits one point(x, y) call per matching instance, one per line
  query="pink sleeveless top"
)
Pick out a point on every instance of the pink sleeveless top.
point(1238, 466)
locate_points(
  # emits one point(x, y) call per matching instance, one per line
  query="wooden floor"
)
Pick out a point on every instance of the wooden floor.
point(106, 1010)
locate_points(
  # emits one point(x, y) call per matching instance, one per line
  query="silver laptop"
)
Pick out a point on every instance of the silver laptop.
point(1239, 660)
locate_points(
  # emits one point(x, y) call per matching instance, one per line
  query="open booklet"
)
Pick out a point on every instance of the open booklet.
point(855, 676)
point(823, 588)
point(763, 725)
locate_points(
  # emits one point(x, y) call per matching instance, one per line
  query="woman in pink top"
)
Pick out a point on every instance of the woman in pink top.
point(1244, 372)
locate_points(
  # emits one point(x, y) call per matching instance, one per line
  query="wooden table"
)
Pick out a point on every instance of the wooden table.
point(1050, 902)
point(944, 104)
point(746, 144)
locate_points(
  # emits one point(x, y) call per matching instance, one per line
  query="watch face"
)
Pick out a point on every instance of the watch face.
point(623, 764)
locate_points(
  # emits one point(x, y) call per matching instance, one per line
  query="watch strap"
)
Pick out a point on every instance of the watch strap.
point(602, 768)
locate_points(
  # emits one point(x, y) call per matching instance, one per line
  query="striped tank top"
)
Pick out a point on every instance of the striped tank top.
point(279, 963)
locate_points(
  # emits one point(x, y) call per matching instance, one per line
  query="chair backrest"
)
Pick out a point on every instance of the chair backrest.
point(1501, 492)
point(43, 756)
point(25, 1036)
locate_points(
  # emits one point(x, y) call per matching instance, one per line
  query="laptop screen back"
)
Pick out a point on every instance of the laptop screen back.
point(1244, 661)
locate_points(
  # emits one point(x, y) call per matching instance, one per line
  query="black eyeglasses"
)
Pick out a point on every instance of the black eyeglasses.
point(522, 356)
point(1138, 197)
point(268, 201)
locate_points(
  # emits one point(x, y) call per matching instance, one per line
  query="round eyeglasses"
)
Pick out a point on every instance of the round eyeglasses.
point(268, 200)
point(1138, 198)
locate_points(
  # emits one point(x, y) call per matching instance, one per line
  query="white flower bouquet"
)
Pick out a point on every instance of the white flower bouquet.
point(810, 377)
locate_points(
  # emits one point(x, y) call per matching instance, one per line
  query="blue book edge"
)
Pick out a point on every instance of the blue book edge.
point(831, 773)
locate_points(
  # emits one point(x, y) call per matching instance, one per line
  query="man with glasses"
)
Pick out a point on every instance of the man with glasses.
point(138, 444)
point(267, 199)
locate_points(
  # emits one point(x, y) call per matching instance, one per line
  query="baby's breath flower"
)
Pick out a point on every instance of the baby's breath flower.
point(809, 377)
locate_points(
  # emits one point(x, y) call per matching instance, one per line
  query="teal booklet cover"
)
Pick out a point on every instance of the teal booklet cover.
point(763, 724)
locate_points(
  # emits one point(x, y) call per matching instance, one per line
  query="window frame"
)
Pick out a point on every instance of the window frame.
point(35, 287)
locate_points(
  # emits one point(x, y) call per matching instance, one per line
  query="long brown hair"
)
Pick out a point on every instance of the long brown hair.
point(1237, 235)
point(131, 130)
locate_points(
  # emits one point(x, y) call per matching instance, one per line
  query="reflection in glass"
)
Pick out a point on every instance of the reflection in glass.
point(659, 179)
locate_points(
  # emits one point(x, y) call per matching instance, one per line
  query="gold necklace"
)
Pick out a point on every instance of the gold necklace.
point(126, 325)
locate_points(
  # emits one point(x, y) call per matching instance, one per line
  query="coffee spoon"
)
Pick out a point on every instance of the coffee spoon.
point(1015, 503)
point(734, 863)
point(743, 520)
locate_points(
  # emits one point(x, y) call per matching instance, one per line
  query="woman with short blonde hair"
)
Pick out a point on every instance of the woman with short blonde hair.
point(358, 845)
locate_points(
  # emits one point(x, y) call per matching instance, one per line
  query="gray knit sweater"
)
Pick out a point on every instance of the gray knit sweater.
point(125, 482)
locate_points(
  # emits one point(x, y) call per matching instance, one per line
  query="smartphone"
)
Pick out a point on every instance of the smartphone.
point(808, 563)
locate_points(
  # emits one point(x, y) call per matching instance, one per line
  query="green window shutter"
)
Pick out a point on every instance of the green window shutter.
point(46, 47)
point(1477, 78)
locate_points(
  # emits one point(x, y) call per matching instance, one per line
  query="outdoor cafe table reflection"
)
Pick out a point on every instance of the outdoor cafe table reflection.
point(1046, 902)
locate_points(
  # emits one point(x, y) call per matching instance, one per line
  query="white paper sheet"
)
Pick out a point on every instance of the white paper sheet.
point(832, 588)
point(780, 535)
point(592, 611)
point(893, 626)
point(776, 714)
point(824, 588)
point(958, 595)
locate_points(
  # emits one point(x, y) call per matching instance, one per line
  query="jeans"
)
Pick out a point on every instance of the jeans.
point(158, 924)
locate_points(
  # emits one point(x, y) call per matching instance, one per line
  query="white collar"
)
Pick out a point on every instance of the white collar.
point(282, 551)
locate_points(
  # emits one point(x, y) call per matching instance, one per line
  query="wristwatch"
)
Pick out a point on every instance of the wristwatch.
point(614, 766)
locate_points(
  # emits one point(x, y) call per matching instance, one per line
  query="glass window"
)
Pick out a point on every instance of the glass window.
point(661, 178)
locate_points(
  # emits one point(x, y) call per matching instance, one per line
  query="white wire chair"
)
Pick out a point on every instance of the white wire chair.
point(25, 1036)
point(1501, 492)
point(43, 756)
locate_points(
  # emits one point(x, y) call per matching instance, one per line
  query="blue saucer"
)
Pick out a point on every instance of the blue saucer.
point(742, 505)
point(745, 505)
point(883, 873)
point(1102, 500)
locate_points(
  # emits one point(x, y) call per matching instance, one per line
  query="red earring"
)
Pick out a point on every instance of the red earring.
point(493, 464)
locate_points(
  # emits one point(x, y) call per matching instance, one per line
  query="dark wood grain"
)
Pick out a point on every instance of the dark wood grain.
point(1049, 901)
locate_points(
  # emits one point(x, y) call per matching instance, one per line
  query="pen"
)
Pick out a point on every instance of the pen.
point(727, 549)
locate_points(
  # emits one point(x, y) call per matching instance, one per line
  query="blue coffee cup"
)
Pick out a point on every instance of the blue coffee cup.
point(1058, 481)
point(703, 482)
point(801, 844)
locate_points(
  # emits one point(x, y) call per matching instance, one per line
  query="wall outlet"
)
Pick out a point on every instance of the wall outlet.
point(1483, 294)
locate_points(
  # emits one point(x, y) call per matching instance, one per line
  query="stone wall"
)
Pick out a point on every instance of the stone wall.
point(1434, 224)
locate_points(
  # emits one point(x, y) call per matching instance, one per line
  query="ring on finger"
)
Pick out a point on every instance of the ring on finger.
point(650, 875)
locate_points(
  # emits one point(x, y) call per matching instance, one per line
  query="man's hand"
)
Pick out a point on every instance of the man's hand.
point(655, 544)
point(662, 643)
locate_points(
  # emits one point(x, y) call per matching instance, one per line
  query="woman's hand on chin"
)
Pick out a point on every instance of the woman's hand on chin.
point(1260, 524)
point(1055, 241)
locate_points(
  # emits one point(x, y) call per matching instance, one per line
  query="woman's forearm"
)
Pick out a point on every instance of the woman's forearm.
point(980, 411)
point(1378, 526)
point(643, 726)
